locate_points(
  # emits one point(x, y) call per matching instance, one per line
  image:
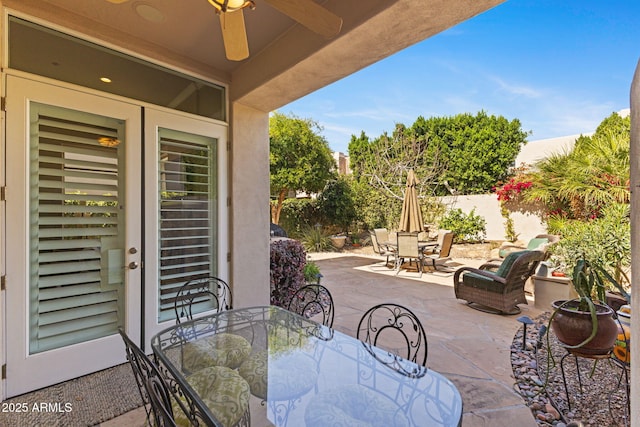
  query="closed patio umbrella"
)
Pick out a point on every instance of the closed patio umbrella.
point(411, 217)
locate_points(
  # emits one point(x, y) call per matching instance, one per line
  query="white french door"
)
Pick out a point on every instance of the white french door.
point(186, 209)
point(85, 227)
point(74, 206)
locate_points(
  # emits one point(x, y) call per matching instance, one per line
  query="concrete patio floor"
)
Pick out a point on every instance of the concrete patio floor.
point(469, 347)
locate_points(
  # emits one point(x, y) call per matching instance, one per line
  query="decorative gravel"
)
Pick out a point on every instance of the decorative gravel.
point(602, 400)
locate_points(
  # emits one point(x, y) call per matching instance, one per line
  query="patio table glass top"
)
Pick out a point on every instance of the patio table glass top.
point(293, 371)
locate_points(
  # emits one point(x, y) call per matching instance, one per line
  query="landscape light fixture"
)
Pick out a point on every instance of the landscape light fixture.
point(525, 320)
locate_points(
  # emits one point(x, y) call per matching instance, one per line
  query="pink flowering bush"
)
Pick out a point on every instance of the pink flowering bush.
point(288, 259)
point(512, 189)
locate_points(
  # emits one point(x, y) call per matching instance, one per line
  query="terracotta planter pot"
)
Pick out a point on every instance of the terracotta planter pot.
point(572, 327)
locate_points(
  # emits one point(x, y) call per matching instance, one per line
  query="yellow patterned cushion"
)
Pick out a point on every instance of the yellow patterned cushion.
point(291, 376)
point(217, 350)
point(353, 406)
point(224, 392)
point(254, 371)
point(282, 377)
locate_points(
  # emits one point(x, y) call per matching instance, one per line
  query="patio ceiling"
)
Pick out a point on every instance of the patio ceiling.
point(287, 61)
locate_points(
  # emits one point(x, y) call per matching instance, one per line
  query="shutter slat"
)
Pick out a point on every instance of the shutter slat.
point(75, 232)
point(70, 279)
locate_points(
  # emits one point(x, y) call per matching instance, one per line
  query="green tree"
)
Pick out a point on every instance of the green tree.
point(300, 158)
point(580, 182)
point(336, 203)
point(450, 155)
point(475, 151)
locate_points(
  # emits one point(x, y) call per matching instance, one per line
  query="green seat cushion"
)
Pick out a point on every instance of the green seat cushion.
point(224, 392)
point(480, 282)
point(217, 350)
point(504, 268)
point(353, 406)
point(536, 243)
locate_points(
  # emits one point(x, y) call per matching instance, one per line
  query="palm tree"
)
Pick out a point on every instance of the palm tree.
point(580, 182)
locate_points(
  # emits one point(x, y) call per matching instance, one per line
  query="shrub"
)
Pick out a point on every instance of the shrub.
point(469, 228)
point(606, 240)
point(299, 214)
point(288, 259)
point(316, 239)
point(336, 204)
point(312, 272)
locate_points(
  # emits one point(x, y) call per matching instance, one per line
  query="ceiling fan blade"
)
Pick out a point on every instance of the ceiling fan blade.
point(311, 15)
point(234, 35)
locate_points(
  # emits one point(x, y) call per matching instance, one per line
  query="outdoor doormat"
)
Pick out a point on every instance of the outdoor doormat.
point(85, 401)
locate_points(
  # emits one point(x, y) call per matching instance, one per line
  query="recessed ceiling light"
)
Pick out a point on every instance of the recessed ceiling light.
point(105, 79)
point(148, 12)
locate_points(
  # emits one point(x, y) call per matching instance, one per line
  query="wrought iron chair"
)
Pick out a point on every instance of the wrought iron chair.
point(408, 248)
point(400, 329)
point(209, 293)
point(440, 253)
point(498, 291)
point(382, 250)
point(310, 300)
point(144, 370)
point(160, 399)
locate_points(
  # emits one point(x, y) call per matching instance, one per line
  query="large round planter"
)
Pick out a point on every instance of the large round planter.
point(573, 327)
point(338, 241)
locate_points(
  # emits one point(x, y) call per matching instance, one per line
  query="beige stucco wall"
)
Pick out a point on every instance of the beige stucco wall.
point(487, 206)
point(249, 212)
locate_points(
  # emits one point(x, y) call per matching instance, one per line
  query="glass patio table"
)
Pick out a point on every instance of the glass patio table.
point(293, 371)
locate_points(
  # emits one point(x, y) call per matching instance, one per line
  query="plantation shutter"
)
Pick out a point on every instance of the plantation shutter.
point(76, 287)
point(187, 214)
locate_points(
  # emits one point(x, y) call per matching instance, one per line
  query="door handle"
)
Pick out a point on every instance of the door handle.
point(133, 265)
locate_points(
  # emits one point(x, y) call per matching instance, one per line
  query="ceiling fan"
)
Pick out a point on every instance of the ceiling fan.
point(306, 12)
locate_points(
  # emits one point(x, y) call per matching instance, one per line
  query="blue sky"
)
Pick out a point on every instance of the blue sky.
point(559, 66)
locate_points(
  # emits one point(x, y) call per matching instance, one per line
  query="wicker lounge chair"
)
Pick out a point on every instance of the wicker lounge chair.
point(501, 291)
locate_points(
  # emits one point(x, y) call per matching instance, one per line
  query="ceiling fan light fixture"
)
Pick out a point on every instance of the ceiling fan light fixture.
point(231, 5)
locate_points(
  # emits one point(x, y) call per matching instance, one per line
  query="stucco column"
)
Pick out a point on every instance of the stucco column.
point(249, 210)
point(635, 248)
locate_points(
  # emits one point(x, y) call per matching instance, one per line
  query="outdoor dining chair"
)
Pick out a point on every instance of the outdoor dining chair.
point(204, 294)
point(160, 399)
point(408, 248)
point(144, 370)
point(311, 300)
point(440, 253)
point(394, 328)
point(381, 249)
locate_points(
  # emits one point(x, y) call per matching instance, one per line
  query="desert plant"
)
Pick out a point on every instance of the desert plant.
point(316, 239)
